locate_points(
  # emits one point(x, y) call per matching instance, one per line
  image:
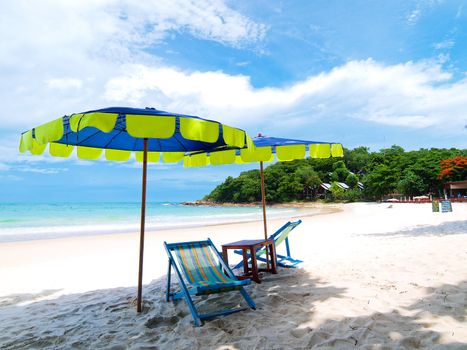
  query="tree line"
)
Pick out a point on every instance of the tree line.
point(390, 170)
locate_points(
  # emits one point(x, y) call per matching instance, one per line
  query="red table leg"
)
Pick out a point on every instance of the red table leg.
point(245, 261)
point(273, 258)
point(254, 266)
point(225, 256)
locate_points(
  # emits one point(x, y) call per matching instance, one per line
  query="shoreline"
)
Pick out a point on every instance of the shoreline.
point(303, 210)
point(292, 204)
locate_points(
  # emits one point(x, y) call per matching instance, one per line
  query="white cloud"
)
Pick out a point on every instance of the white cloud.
point(29, 169)
point(9, 148)
point(420, 7)
point(459, 11)
point(9, 177)
point(413, 16)
point(73, 28)
point(64, 83)
point(9, 152)
point(415, 95)
point(445, 44)
point(51, 48)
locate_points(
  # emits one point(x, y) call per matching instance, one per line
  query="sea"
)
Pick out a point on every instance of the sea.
point(34, 221)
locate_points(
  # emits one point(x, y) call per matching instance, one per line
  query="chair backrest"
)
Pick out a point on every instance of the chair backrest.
point(197, 261)
point(281, 234)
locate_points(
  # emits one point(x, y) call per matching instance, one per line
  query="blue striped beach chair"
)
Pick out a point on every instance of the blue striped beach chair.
point(281, 235)
point(200, 271)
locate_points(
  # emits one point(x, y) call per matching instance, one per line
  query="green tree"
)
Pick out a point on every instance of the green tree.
point(249, 189)
point(411, 184)
point(334, 177)
point(339, 165)
point(337, 192)
point(272, 174)
point(351, 180)
point(353, 194)
point(309, 180)
point(382, 172)
point(357, 160)
point(339, 172)
point(289, 189)
point(381, 181)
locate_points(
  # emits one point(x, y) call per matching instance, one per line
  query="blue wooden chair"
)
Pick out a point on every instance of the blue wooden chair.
point(281, 235)
point(200, 271)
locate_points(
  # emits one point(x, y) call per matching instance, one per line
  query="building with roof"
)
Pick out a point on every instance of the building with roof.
point(456, 189)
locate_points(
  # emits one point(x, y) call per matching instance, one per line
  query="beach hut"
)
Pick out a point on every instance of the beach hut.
point(457, 190)
point(326, 186)
point(119, 132)
point(343, 185)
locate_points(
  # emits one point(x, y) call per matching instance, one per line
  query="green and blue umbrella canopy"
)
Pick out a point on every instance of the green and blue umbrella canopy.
point(120, 131)
point(265, 149)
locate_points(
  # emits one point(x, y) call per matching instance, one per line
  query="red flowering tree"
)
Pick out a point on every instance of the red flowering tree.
point(453, 169)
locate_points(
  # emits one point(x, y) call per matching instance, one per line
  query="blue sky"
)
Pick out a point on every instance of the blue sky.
point(364, 73)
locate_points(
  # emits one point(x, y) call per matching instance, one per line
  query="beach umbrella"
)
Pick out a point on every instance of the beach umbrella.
point(264, 149)
point(149, 133)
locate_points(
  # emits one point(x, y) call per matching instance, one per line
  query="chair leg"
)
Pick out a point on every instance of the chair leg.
point(169, 272)
point(247, 298)
point(291, 262)
point(186, 294)
point(193, 310)
point(287, 247)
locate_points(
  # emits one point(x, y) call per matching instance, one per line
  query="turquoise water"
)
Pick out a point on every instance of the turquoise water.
point(19, 222)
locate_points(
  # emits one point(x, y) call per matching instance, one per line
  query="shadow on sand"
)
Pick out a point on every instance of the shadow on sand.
point(393, 330)
point(108, 319)
point(458, 227)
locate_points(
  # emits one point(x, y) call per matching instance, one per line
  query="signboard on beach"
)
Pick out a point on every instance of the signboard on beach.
point(435, 206)
point(445, 206)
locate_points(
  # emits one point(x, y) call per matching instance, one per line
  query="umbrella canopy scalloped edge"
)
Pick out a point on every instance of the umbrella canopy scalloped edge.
point(120, 131)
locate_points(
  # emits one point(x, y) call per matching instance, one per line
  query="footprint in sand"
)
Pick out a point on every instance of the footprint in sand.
point(276, 300)
point(161, 321)
point(318, 337)
point(301, 332)
point(411, 342)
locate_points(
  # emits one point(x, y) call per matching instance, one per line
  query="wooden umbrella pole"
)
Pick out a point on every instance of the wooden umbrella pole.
point(141, 237)
point(263, 200)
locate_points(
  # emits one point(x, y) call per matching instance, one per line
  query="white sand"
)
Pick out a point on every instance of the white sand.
point(374, 278)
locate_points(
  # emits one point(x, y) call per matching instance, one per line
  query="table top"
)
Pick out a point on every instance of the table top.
point(247, 242)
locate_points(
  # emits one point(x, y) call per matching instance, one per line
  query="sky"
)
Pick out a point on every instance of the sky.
point(364, 73)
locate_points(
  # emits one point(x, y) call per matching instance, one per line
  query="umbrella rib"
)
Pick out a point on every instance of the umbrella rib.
point(181, 144)
point(68, 132)
point(113, 138)
point(87, 138)
point(134, 144)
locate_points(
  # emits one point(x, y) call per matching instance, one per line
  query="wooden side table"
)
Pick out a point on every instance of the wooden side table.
point(249, 248)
